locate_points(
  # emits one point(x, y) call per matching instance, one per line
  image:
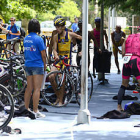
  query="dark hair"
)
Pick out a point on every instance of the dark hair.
point(34, 26)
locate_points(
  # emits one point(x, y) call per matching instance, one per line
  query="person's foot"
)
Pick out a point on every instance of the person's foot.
point(39, 115)
point(119, 71)
point(60, 104)
point(119, 108)
point(56, 102)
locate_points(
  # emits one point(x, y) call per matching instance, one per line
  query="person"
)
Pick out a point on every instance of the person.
point(131, 57)
point(3, 26)
point(117, 39)
point(54, 33)
point(61, 47)
point(79, 44)
point(13, 31)
point(35, 65)
point(97, 50)
point(74, 26)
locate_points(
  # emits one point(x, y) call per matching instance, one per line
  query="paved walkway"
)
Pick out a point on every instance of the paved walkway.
point(60, 123)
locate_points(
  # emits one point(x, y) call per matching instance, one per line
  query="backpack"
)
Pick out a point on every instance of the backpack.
point(22, 32)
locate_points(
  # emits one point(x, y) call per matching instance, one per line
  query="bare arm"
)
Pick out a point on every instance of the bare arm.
point(55, 48)
point(43, 54)
point(74, 35)
point(123, 48)
point(18, 33)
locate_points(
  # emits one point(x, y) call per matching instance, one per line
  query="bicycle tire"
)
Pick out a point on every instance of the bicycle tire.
point(19, 83)
point(6, 100)
point(90, 88)
point(48, 94)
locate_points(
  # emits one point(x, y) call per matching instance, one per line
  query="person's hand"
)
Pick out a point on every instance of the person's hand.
point(99, 50)
point(80, 54)
point(57, 58)
point(120, 52)
point(0, 26)
point(9, 32)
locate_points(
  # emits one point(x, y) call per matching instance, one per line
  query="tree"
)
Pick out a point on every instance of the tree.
point(68, 9)
point(26, 8)
point(131, 6)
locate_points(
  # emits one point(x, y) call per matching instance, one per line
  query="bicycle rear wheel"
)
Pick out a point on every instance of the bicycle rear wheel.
point(17, 86)
point(48, 91)
point(6, 106)
point(90, 88)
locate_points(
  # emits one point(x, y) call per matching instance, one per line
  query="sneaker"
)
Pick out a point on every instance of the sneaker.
point(39, 115)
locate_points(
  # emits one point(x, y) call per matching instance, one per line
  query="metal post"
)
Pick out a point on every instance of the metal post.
point(83, 113)
point(109, 44)
point(113, 19)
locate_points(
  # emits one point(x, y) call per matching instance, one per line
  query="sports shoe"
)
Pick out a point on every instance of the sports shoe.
point(39, 115)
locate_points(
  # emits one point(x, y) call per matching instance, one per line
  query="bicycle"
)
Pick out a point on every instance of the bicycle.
point(62, 77)
point(6, 107)
point(13, 76)
point(72, 81)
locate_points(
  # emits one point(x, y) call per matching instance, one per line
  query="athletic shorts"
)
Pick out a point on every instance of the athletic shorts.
point(117, 44)
point(132, 68)
point(34, 71)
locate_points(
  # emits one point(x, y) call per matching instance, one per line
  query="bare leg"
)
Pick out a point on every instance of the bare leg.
point(28, 91)
point(116, 59)
point(59, 92)
point(37, 82)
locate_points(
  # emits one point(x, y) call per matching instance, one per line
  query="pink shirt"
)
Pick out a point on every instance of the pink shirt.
point(132, 44)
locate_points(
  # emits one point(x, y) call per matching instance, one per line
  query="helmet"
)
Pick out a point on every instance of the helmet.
point(97, 19)
point(59, 16)
point(80, 22)
point(59, 21)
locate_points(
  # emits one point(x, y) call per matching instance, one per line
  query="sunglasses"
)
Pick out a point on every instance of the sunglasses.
point(11, 20)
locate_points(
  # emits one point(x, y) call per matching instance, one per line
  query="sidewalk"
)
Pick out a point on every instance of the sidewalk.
point(60, 123)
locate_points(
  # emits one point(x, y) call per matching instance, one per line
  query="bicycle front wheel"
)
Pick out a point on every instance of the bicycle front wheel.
point(90, 88)
point(49, 90)
point(6, 106)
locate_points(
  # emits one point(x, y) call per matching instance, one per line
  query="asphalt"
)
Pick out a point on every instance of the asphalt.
point(61, 123)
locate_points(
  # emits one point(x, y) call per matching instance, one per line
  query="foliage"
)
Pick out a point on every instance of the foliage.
point(68, 9)
point(131, 6)
point(26, 8)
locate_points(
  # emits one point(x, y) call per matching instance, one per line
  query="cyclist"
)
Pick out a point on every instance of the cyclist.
point(79, 44)
point(61, 47)
point(131, 54)
point(117, 39)
point(13, 31)
point(96, 33)
point(54, 33)
point(3, 26)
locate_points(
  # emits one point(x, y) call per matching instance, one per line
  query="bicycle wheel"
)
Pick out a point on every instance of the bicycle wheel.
point(6, 106)
point(90, 88)
point(48, 91)
point(16, 86)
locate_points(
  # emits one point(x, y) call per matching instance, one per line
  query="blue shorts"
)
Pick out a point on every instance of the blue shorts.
point(34, 71)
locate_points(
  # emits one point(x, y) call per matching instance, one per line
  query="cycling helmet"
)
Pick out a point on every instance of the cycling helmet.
point(80, 22)
point(59, 21)
point(59, 16)
point(97, 19)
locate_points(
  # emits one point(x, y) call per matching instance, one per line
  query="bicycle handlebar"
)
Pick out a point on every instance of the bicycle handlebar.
point(10, 40)
point(63, 58)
